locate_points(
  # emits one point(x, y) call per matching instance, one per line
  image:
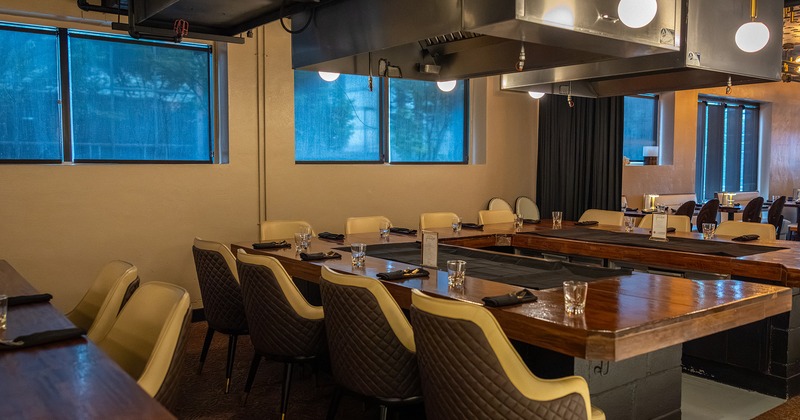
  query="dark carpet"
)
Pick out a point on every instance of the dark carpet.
point(788, 410)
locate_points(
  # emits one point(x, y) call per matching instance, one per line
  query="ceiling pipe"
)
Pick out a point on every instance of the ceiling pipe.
point(86, 6)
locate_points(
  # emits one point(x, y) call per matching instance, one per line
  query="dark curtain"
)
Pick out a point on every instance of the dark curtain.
point(580, 155)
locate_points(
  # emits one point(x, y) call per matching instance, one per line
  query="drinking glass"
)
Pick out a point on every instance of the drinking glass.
point(456, 224)
point(302, 241)
point(383, 229)
point(456, 269)
point(557, 220)
point(3, 311)
point(359, 254)
point(629, 223)
point(624, 204)
point(575, 296)
point(518, 222)
point(708, 230)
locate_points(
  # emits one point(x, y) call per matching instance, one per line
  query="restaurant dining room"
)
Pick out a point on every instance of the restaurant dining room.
point(346, 209)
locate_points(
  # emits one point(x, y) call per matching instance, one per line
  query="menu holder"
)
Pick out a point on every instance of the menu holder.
point(430, 249)
point(659, 230)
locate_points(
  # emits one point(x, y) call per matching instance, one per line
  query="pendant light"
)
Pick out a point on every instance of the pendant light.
point(328, 76)
point(446, 86)
point(752, 36)
point(536, 95)
point(637, 13)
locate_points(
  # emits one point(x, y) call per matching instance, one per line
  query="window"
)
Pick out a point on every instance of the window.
point(125, 100)
point(727, 146)
point(641, 125)
point(400, 121)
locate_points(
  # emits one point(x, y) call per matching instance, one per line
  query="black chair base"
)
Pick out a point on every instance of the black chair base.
point(287, 375)
point(384, 403)
point(232, 340)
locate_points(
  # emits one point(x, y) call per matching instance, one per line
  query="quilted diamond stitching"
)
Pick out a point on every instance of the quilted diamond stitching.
point(366, 355)
point(222, 295)
point(462, 378)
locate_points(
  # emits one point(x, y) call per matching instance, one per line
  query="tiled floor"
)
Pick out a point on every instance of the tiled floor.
point(705, 400)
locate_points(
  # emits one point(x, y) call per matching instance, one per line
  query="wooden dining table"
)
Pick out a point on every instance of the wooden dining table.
point(71, 379)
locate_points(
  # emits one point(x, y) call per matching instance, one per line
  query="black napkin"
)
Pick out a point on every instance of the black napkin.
point(331, 236)
point(315, 256)
point(403, 231)
point(23, 300)
point(44, 337)
point(632, 210)
point(586, 223)
point(471, 226)
point(531, 221)
point(745, 238)
point(271, 245)
point(523, 296)
point(669, 230)
point(404, 274)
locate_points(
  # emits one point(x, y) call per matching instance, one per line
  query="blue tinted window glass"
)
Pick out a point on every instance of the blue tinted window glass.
point(139, 101)
point(30, 115)
point(336, 121)
point(641, 114)
point(425, 123)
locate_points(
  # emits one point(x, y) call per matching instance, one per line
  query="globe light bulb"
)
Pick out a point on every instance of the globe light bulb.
point(752, 37)
point(328, 76)
point(446, 86)
point(637, 13)
point(536, 95)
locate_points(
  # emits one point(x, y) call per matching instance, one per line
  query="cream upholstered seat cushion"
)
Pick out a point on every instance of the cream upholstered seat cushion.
point(527, 208)
point(364, 224)
point(680, 223)
point(85, 313)
point(498, 203)
point(145, 336)
point(442, 219)
point(517, 372)
point(112, 305)
point(488, 217)
point(734, 228)
point(282, 229)
point(603, 217)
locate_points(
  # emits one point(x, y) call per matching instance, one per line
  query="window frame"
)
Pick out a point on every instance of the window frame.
point(656, 124)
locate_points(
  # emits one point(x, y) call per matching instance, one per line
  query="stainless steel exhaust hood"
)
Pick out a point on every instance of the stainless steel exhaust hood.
point(708, 57)
point(457, 39)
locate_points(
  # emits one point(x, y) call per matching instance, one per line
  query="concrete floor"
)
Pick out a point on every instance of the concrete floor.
point(702, 399)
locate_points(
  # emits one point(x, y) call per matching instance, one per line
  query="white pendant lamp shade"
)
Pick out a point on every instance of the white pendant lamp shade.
point(446, 86)
point(328, 76)
point(752, 36)
point(637, 13)
point(536, 95)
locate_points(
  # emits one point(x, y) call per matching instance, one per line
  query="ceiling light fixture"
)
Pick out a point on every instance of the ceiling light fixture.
point(536, 95)
point(752, 36)
point(446, 86)
point(637, 13)
point(328, 76)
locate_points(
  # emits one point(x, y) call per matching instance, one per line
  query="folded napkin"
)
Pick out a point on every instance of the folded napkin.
point(271, 245)
point(586, 223)
point(745, 238)
point(40, 338)
point(631, 210)
point(471, 226)
point(404, 231)
point(669, 230)
point(523, 296)
point(531, 221)
point(331, 236)
point(23, 300)
point(315, 256)
point(404, 274)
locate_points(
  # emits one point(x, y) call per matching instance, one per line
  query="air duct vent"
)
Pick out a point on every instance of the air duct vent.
point(451, 37)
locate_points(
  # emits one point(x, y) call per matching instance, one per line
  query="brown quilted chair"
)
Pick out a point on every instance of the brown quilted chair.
point(222, 298)
point(775, 214)
point(370, 341)
point(708, 213)
point(283, 325)
point(752, 211)
point(686, 209)
point(470, 370)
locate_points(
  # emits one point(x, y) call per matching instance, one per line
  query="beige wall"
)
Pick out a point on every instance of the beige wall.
point(780, 100)
point(60, 223)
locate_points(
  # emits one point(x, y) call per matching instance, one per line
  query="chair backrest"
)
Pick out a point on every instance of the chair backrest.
point(680, 223)
point(708, 213)
point(686, 209)
point(460, 343)
point(488, 217)
point(443, 219)
point(603, 217)
point(775, 213)
point(282, 229)
point(218, 278)
point(752, 211)
point(148, 338)
point(85, 313)
point(115, 300)
point(734, 228)
point(498, 203)
point(281, 322)
point(527, 208)
point(364, 224)
point(370, 341)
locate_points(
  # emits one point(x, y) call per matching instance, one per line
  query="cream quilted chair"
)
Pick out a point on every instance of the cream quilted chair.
point(282, 229)
point(365, 224)
point(110, 291)
point(488, 217)
point(527, 208)
point(603, 217)
point(498, 203)
point(734, 228)
point(680, 223)
point(442, 219)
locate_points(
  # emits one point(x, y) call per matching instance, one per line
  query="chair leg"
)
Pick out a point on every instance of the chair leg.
point(251, 376)
point(287, 381)
point(337, 396)
point(384, 411)
point(206, 345)
point(232, 339)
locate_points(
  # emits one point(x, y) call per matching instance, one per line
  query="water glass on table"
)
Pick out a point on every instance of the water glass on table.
point(456, 270)
point(557, 219)
point(629, 223)
point(709, 230)
point(3, 311)
point(383, 229)
point(575, 296)
point(302, 240)
point(456, 224)
point(359, 254)
point(518, 222)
